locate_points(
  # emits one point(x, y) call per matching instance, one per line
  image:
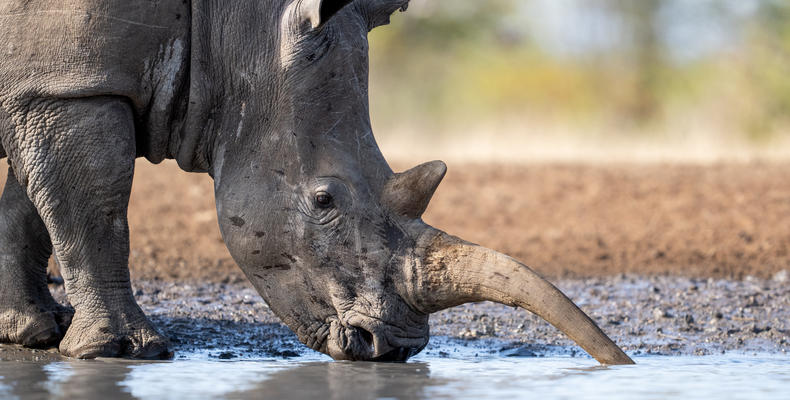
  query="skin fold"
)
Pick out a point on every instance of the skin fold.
point(270, 98)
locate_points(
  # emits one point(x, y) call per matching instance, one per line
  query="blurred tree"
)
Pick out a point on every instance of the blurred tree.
point(767, 66)
point(718, 66)
point(646, 54)
point(428, 48)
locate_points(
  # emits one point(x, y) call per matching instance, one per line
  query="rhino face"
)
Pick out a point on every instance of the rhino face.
point(306, 223)
point(330, 272)
point(331, 238)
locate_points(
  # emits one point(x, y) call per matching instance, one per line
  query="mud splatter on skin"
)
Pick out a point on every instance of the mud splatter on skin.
point(237, 221)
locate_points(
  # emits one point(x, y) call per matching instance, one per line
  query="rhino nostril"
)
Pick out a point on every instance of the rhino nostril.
point(366, 336)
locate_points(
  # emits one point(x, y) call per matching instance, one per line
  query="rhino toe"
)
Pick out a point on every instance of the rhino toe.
point(88, 339)
point(30, 328)
point(89, 351)
point(46, 337)
point(153, 350)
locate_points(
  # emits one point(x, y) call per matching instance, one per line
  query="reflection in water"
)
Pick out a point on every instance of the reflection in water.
point(710, 377)
point(202, 379)
point(197, 379)
point(63, 380)
point(345, 380)
point(80, 379)
point(16, 379)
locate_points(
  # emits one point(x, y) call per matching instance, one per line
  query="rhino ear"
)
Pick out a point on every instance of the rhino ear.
point(318, 12)
point(409, 192)
point(378, 12)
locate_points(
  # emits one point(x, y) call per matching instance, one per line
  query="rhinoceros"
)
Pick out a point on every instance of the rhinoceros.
point(270, 98)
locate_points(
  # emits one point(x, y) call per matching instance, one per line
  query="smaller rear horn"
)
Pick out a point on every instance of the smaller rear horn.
point(409, 192)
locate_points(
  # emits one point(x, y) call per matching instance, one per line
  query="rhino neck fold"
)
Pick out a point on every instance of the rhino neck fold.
point(232, 53)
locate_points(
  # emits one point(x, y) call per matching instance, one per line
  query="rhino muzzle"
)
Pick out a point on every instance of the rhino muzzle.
point(356, 336)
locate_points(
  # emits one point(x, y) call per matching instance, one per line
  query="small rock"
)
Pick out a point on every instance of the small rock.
point(781, 276)
point(659, 313)
point(289, 354)
point(752, 301)
point(490, 330)
point(759, 329)
point(521, 352)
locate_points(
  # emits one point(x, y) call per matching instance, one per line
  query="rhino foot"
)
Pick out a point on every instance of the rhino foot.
point(106, 337)
point(34, 326)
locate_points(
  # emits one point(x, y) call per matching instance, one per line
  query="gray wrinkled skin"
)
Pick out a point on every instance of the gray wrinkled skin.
point(270, 98)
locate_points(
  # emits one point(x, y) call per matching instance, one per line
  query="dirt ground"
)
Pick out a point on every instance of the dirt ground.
point(564, 220)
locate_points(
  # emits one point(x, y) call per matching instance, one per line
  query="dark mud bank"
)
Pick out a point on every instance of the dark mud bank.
point(644, 315)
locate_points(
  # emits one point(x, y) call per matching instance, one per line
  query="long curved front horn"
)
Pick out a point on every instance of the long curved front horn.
point(451, 271)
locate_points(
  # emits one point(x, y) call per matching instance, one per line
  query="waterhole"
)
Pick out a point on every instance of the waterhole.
point(455, 376)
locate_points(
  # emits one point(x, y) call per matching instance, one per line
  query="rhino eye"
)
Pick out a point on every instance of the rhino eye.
point(323, 199)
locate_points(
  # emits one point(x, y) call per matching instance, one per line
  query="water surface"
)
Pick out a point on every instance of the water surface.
point(472, 376)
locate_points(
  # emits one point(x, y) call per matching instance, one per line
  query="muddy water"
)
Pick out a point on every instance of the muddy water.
point(462, 375)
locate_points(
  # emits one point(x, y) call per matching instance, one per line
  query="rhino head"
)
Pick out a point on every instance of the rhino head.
point(328, 234)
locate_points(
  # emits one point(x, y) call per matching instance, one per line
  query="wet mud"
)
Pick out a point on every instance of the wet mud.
point(644, 315)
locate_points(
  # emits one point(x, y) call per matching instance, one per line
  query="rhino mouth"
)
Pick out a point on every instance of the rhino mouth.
point(363, 338)
point(401, 354)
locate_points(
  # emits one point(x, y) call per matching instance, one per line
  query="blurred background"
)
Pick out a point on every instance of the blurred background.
point(537, 80)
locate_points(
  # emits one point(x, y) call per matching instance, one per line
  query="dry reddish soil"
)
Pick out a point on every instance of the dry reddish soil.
point(564, 220)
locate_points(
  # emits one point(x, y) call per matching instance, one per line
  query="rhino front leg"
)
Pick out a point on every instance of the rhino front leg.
point(28, 313)
point(76, 159)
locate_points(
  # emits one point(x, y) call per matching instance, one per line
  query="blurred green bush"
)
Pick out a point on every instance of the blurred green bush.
point(627, 66)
